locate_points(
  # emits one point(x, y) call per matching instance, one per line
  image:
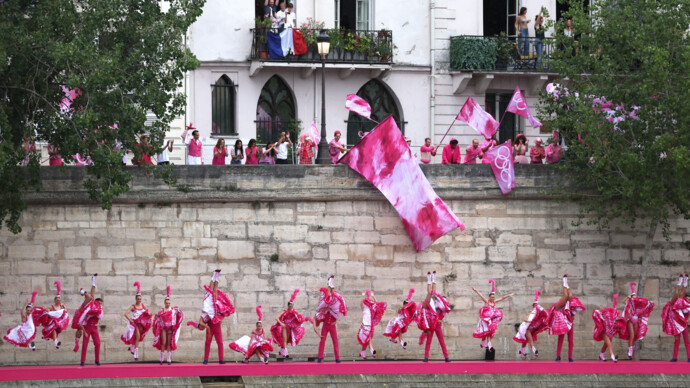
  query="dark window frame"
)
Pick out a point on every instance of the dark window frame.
point(223, 107)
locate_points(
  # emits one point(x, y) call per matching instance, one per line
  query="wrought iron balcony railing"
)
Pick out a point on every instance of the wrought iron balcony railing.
point(353, 46)
point(500, 53)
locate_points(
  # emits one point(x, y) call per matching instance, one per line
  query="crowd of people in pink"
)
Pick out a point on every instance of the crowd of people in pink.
point(630, 325)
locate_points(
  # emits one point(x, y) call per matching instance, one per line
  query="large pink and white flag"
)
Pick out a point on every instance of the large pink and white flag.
point(477, 118)
point(384, 159)
point(314, 133)
point(358, 105)
point(518, 105)
point(501, 160)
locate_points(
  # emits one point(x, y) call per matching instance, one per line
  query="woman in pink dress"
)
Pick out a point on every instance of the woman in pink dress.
point(54, 158)
point(520, 148)
point(489, 316)
point(534, 323)
point(607, 323)
point(372, 312)
point(674, 317)
point(24, 334)
point(138, 323)
point(252, 153)
point(561, 317)
point(636, 313)
point(55, 318)
point(220, 152)
point(255, 344)
point(398, 325)
point(288, 328)
point(305, 148)
point(430, 317)
point(166, 328)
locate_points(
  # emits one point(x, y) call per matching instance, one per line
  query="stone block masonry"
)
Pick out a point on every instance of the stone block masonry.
point(325, 220)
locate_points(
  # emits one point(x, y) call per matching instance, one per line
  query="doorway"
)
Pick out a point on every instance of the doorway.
point(499, 17)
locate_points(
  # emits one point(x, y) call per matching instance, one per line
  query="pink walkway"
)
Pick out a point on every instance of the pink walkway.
point(311, 368)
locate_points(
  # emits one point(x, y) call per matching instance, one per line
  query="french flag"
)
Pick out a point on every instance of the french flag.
point(279, 45)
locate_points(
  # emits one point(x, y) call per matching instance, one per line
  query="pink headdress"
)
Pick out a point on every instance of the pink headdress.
point(409, 295)
point(493, 286)
point(294, 295)
point(368, 294)
point(58, 285)
point(167, 293)
point(632, 288)
point(536, 296)
point(330, 282)
point(33, 298)
point(258, 312)
point(309, 319)
point(615, 300)
point(138, 286)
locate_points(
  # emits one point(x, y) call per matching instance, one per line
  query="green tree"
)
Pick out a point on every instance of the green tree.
point(125, 57)
point(633, 54)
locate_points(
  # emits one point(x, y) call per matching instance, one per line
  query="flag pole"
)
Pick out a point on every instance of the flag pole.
point(444, 136)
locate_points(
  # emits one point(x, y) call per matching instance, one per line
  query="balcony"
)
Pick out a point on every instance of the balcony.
point(349, 50)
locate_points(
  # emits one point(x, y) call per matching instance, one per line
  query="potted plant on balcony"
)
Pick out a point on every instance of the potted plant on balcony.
point(383, 49)
point(263, 25)
point(310, 30)
point(507, 52)
point(337, 38)
point(349, 46)
point(364, 47)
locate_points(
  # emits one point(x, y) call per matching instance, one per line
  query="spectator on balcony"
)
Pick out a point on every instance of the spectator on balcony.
point(569, 30)
point(194, 149)
point(520, 147)
point(269, 9)
point(164, 156)
point(486, 146)
point(539, 34)
point(427, 151)
point(554, 152)
point(281, 16)
point(145, 149)
point(451, 153)
point(290, 21)
point(220, 151)
point(409, 144)
point(305, 150)
point(282, 147)
point(54, 158)
point(252, 153)
point(335, 147)
point(268, 154)
point(472, 152)
point(237, 153)
point(537, 153)
point(521, 23)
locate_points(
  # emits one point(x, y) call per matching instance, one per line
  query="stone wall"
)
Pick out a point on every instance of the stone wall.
point(273, 229)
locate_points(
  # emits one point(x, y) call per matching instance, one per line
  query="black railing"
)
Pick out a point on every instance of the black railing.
point(500, 53)
point(353, 46)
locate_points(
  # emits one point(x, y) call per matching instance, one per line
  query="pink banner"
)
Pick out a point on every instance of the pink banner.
point(314, 133)
point(501, 160)
point(384, 159)
point(358, 105)
point(518, 105)
point(477, 118)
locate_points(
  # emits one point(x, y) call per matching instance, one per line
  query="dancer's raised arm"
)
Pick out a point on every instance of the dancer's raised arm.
point(480, 295)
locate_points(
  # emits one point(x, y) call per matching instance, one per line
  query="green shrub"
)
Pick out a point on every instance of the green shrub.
point(473, 53)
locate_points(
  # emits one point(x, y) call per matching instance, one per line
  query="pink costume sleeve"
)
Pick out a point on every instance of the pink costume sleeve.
point(446, 155)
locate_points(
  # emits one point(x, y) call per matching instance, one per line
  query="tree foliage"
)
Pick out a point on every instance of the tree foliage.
point(126, 57)
point(632, 165)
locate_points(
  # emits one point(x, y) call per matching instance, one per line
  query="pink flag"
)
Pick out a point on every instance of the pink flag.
point(314, 133)
point(357, 104)
point(518, 105)
point(501, 160)
point(384, 159)
point(477, 118)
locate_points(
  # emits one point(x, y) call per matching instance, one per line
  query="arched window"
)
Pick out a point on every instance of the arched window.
point(223, 107)
point(275, 110)
point(382, 103)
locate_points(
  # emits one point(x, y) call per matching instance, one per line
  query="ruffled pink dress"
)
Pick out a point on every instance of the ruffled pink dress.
point(293, 324)
point(400, 323)
point(82, 315)
point(607, 321)
point(334, 304)
point(674, 316)
point(141, 317)
point(167, 320)
point(489, 317)
point(538, 322)
point(637, 311)
point(561, 321)
point(372, 312)
point(257, 342)
point(52, 321)
point(23, 334)
point(216, 307)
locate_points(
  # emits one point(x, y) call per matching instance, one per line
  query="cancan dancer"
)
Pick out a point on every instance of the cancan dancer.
point(607, 323)
point(636, 313)
point(674, 317)
point(55, 318)
point(166, 328)
point(215, 308)
point(138, 323)
point(81, 313)
point(331, 307)
point(561, 317)
point(255, 344)
point(430, 316)
point(288, 328)
point(24, 334)
point(489, 316)
point(372, 312)
point(534, 323)
point(398, 325)
point(86, 319)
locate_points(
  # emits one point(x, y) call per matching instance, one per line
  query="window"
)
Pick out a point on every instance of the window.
point(495, 105)
point(223, 107)
point(275, 110)
point(383, 103)
point(353, 14)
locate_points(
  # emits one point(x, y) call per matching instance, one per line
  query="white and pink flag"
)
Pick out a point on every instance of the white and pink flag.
point(314, 133)
point(518, 105)
point(358, 105)
point(501, 160)
point(477, 118)
point(384, 159)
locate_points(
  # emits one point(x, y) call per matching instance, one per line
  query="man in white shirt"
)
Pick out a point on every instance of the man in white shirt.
point(282, 148)
point(290, 17)
point(280, 16)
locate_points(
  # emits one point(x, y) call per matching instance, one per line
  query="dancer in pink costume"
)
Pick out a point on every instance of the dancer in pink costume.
point(256, 344)
point(24, 334)
point(166, 328)
point(372, 312)
point(86, 319)
point(534, 323)
point(489, 316)
point(636, 312)
point(288, 328)
point(561, 318)
point(607, 323)
point(674, 317)
point(216, 306)
point(331, 307)
point(138, 323)
point(398, 325)
point(55, 318)
point(430, 316)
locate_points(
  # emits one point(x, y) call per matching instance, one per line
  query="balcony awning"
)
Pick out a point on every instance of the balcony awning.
point(482, 81)
point(307, 68)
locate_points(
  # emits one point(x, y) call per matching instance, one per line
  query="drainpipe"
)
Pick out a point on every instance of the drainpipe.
point(432, 86)
point(314, 73)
